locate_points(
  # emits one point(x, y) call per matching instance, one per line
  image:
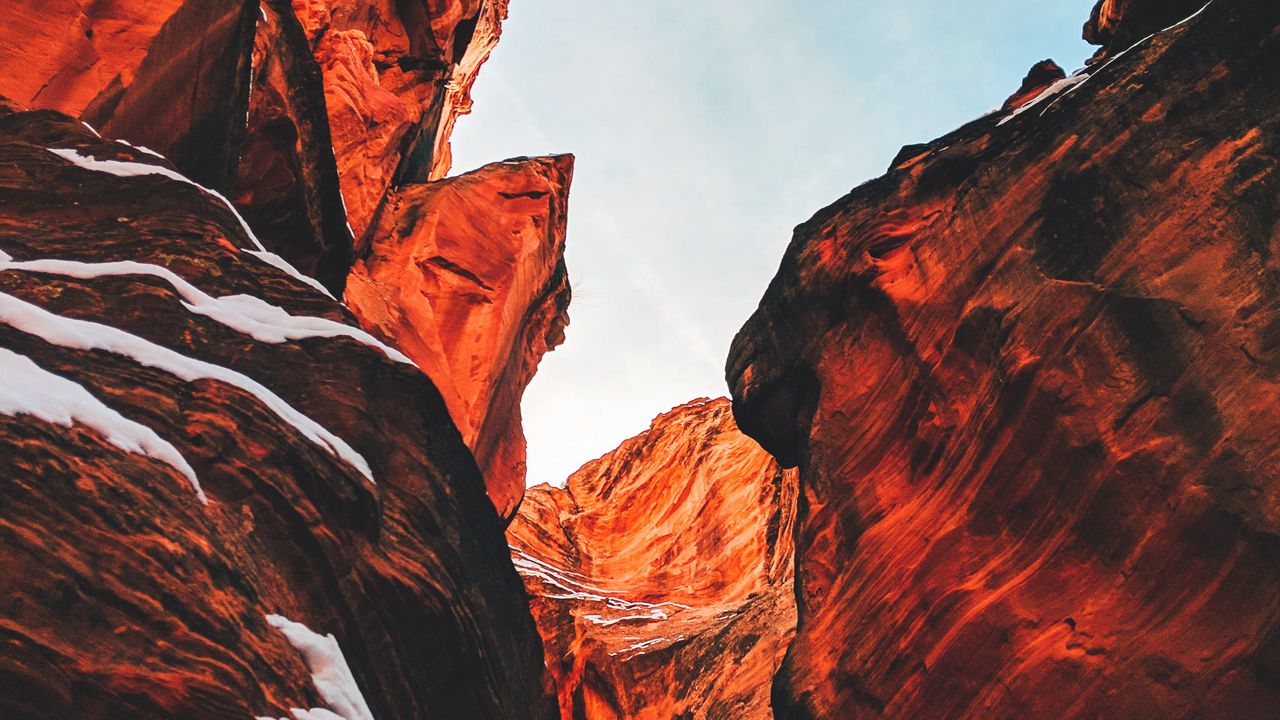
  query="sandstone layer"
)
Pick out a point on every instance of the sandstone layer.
point(307, 112)
point(209, 467)
point(1031, 380)
point(467, 277)
point(660, 575)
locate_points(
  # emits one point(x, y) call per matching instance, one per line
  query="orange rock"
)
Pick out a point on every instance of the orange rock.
point(1118, 24)
point(1031, 384)
point(467, 277)
point(660, 575)
point(1041, 77)
point(171, 75)
point(396, 77)
point(339, 493)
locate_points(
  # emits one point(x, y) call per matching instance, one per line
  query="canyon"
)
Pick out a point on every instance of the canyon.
point(1000, 440)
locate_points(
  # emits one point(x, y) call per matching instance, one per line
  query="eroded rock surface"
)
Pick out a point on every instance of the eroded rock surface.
point(1029, 378)
point(660, 575)
point(467, 277)
point(208, 467)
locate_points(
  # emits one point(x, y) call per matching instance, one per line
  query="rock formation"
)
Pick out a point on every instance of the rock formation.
point(660, 575)
point(1029, 378)
point(209, 467)
point(467, 277)
point(306, 112)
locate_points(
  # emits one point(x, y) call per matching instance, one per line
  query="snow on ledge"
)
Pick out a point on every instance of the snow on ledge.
point(28, 389)
point(125, 168)
point(329, 673)
point(243, 313)
point(85, 335)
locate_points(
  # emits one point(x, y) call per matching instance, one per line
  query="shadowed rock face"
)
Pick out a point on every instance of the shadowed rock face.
point(660, 575)
point(124, 594)
point(467, 277)
point(1029, 378)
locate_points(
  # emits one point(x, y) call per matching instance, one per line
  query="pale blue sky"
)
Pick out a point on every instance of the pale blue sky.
point(704, 132)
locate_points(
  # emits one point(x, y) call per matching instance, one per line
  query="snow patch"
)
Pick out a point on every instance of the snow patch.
point(329, 673)
point(28, 389)
point(280, 263)
point(574, 589)
point(141, 149)
point(126, 168)
point(243, 313)
point(85, 335)
point(1065, 84)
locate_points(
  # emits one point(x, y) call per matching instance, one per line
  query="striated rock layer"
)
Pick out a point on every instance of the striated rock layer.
point(660, 575)
point(306, 112)
point(1031, 379)
point(208, 467)
point(467, 277)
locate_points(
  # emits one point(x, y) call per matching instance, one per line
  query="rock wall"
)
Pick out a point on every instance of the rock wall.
point(1029, 378)
point(467, 277)
point(660, 575)
point(209, 467)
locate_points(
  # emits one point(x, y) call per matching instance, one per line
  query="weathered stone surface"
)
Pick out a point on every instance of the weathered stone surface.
point(172, 75)
point(1118, 24)
point(467, 277)
point(661, 574)
point(1039, 78)
point(286, 106)
point(287, 182)
point(1029, 378)
point(396, 77)
point(124, 595)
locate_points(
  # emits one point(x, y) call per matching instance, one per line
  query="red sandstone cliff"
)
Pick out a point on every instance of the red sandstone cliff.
point(326, 123)
point(660, 575)
point(209, 467)
point(1029, 378)
point(467, 277)
point(289, 107)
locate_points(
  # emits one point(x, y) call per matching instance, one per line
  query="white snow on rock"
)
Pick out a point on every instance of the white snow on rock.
point(243, 313)
point(1066, 84)
point(28, 389)
point(142, 149)
point(280, 263)
point(572, 587)
point(125, 168)
point(329, 673)
point(85, 335)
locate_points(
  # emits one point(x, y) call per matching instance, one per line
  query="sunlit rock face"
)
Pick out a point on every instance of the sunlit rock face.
point(1030, 380)
point(660, 575)
point(467, 276)
point(193, 439)
point(171, 75)
point(306, 112)
point(326, 123)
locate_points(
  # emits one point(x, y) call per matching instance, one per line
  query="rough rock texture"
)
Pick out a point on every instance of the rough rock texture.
point(1032, 383)
point(467, 277)
point(1039, 78)
point(1118, 24)
point(172, 75)
point(286, 106)
point(396, 77)
point(126, 596)
point(287, 183)
point(661, 574)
